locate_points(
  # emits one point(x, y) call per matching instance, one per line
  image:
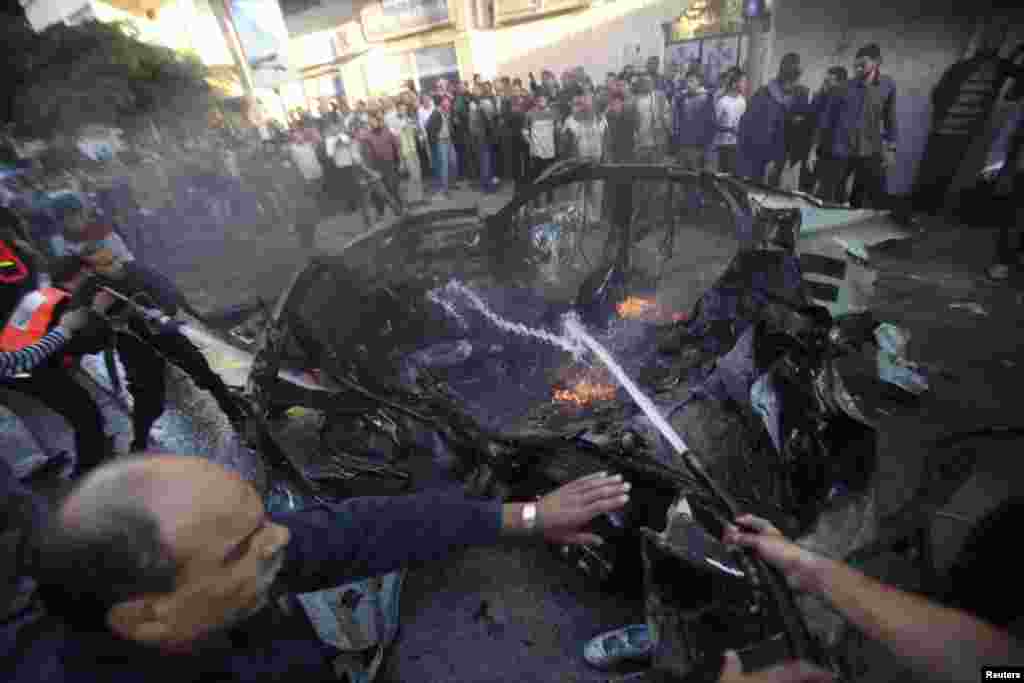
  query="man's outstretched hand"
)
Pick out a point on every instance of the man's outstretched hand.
point(800, 566)
point(562, 514)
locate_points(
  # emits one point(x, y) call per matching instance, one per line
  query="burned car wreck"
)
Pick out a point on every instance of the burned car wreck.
point(439, 343)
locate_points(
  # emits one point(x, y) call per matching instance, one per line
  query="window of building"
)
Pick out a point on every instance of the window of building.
point(713, 54)
point(434, 63)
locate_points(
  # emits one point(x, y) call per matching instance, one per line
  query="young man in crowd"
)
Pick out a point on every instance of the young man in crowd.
point(303, 146)
point(621, 148)
point(439, 133)
point(462, 138)
point(693, 122)
point(425, 110)
point(653, 115)
point(515, 142)
point(410, 143)
point(549, 82)
point(729, 109)
point(826, 167)
point(483, 129)
point(865, 132)
point(342, 148)
point(762, 134)
point(654, 73)
point(542, 131)
point(381, 152)
point(583, 137)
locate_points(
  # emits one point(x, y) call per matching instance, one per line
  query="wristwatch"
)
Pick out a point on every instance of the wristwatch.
point(530, 516)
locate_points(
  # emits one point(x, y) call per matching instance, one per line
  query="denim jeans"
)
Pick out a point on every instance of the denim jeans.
point(442, 163)
point(486, 166)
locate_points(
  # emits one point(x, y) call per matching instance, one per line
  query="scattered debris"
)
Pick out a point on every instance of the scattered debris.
point(893, 367)
point(976, 309)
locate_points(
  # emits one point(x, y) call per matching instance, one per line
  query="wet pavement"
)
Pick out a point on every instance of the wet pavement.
point(517, 613)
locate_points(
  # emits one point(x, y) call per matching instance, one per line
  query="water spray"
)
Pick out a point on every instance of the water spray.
point(801, 645)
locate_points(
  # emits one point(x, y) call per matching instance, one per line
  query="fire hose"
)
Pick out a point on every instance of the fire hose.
point(801, 643)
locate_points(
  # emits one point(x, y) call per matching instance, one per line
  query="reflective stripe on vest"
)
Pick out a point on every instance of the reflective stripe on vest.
point(12, 268)
point(31, 319)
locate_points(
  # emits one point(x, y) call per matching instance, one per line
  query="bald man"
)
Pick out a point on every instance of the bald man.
point(159, 568)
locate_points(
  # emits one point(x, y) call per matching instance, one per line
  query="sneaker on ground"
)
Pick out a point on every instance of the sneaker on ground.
point(999, 271)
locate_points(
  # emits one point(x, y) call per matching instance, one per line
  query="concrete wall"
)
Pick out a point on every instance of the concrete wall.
point(598, 38)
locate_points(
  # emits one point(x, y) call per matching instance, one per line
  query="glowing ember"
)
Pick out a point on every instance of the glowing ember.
point(638, 308)
point(594, 385)
point(635, 307)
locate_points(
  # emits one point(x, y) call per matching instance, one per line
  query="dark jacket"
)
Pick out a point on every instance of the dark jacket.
point(821, 108)
point(620, 145)
point(847, 113)
point(800, 126)
point(434, 127)
point(962, 100)
point(693, 119)
point(330, 545)
point(762, 133)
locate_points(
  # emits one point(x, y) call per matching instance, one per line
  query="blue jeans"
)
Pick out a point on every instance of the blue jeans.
point(486, 166)
point(442, 160)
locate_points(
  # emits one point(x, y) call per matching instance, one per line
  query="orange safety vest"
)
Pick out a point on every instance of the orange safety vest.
point(31, 319)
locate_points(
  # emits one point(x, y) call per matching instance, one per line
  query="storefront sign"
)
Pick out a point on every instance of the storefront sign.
point(393, 18)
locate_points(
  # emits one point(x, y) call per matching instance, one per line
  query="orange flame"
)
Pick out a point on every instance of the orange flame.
point(635, 307)
point(638, 308)
point(592, 386)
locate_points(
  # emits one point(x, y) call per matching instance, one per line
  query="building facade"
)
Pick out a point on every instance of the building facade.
point(390, 42)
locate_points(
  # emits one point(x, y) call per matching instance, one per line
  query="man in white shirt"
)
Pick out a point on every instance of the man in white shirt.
point(303, 152)
point(391, 118)
point(654, 121)
point(425, 111)
point(729, 109)
point(584, 137)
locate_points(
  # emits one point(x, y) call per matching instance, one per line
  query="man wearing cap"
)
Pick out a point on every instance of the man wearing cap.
point(865, 131)
point(762, 131)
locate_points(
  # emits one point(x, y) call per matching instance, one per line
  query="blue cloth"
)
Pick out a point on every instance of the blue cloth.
point(486, 167)
point(762, 132)
point(330, 545)
point(693, 119)
point(67, 201)
point(846, 111)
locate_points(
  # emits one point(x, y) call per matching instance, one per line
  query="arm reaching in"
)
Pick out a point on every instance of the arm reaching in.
point(943, 643)
point(562, 514)
point(334, 543)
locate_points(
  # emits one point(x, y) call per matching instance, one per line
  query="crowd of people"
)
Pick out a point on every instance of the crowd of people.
point(836, 143)
point(142, 578)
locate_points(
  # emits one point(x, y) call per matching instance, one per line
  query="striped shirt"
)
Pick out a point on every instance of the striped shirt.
point(13, 363)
